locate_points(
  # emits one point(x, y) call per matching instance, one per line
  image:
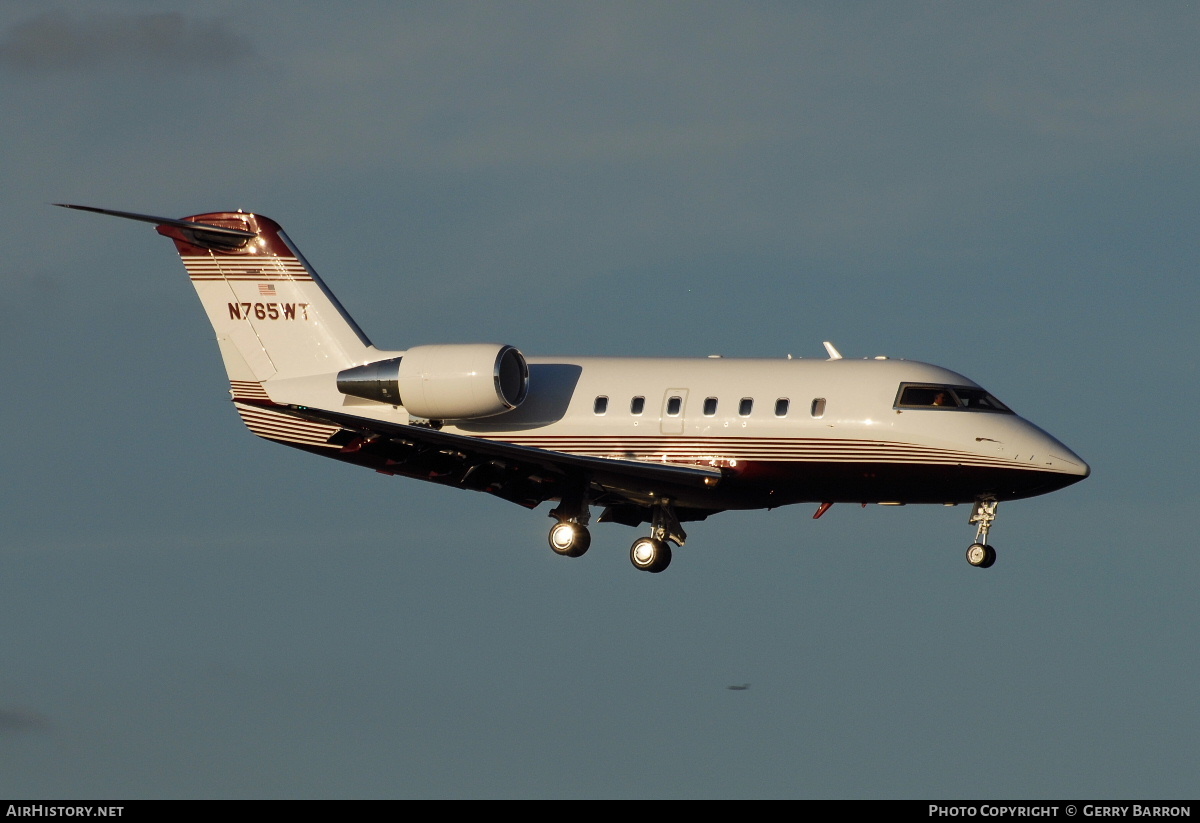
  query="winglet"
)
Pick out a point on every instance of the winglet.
point(834, 354)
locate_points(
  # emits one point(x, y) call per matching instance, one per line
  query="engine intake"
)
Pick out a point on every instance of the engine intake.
point(450, 382)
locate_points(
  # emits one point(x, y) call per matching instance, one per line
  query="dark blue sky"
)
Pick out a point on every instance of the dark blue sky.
point(1007, 190)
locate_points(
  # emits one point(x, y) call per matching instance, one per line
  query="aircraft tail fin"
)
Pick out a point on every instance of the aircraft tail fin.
point(272, 315)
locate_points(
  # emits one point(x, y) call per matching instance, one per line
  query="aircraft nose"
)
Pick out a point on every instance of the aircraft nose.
point(1058, 466)
point(1064, 460)
point(1053, 455)
point(1058, 458)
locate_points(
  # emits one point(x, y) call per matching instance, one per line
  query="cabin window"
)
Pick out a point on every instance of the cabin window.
point(673, 406)
point(601, 405)
point(781, 407)
point(710, 406)
point(746, 406)
point(637, 405)
point(818, 407)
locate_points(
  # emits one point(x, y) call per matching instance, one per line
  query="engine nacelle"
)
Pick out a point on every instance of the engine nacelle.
point(451, 382)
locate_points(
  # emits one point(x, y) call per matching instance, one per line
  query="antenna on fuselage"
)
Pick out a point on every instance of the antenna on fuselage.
point(834, 354)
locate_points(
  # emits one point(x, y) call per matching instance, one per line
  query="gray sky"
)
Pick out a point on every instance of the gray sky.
point(1004, 189)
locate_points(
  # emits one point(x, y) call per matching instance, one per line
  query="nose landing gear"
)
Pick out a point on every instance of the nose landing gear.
point(980, 553)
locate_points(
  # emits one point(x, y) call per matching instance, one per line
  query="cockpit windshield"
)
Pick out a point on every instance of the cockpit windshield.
point(963, 398)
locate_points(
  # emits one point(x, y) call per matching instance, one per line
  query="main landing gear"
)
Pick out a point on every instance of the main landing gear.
point(569, 539)
point(980, 553)
point(569, 536)
point(653, 553)
point(650, 554)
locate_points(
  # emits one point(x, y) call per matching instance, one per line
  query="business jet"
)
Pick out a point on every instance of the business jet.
point(647, 440)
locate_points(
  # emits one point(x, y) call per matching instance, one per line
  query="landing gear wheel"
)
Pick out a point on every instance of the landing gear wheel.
point(650, 555)
point(569, 539)
point(981, 555)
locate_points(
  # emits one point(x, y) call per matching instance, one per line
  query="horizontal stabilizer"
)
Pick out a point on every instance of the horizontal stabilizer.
point(205, 234)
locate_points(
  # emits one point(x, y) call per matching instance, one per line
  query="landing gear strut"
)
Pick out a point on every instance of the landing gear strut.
point(569, 537)
point(653, 553)
point(980, 553)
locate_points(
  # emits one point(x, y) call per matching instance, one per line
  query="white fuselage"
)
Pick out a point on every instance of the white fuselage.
point(788, 430)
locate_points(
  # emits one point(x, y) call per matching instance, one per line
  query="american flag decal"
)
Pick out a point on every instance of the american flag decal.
point(266, 289)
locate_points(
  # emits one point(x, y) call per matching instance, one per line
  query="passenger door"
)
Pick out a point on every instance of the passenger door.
point(674, 401)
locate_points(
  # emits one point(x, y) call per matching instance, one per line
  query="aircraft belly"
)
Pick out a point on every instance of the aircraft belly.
point(782, 483)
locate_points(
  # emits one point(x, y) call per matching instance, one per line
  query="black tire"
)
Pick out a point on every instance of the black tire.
point(990, 559)
point(579, 539)
point(650, 555)
point(977, 555)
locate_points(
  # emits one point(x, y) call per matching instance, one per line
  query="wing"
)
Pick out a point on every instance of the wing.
point(522, 474)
